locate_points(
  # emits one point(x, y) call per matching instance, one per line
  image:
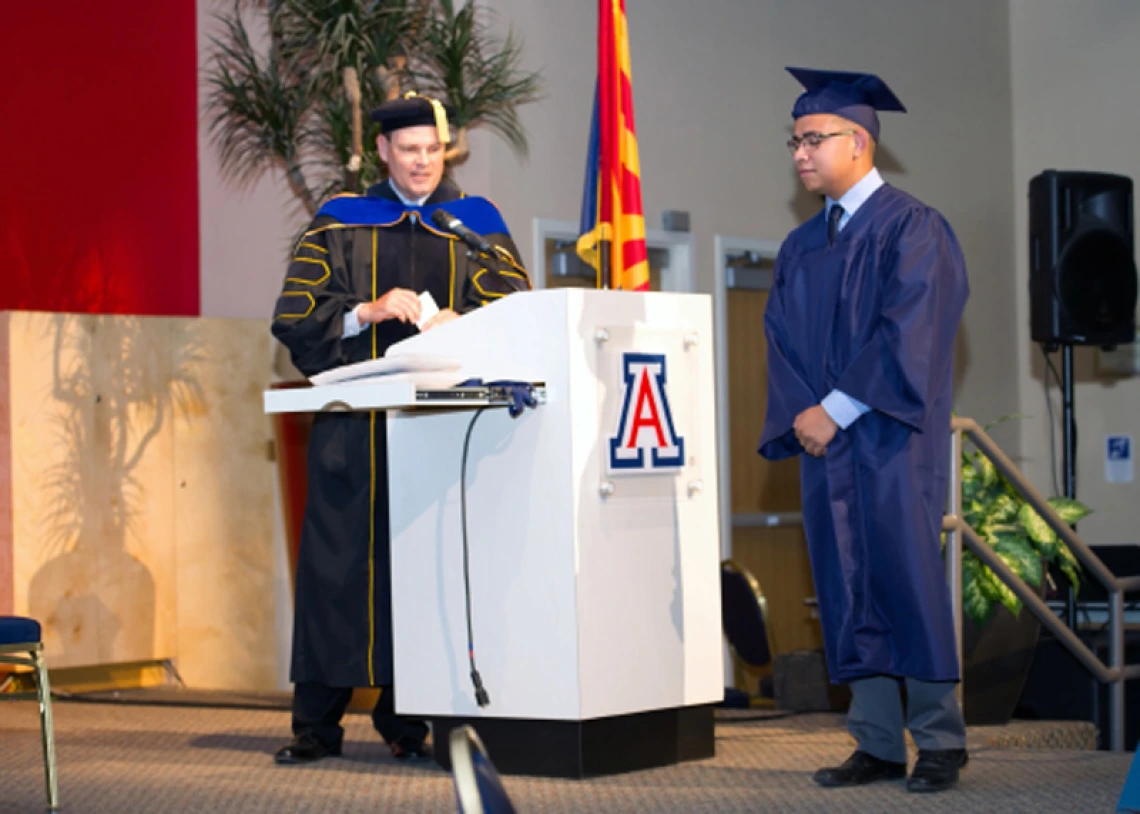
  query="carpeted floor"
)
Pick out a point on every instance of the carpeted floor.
point(133, 758)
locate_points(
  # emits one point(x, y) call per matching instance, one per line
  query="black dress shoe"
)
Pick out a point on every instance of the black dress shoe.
point(858, 769)
point(408, 748)
point(936, 770)
point(305, 749)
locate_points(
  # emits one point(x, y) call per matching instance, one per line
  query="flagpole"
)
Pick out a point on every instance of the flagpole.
point(604, 270)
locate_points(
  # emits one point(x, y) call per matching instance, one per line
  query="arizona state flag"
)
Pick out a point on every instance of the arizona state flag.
point(612, 233)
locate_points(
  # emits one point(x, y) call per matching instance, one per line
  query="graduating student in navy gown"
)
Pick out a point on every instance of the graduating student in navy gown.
point(866, 301)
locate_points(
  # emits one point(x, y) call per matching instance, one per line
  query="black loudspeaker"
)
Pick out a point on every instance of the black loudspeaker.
point(1082, 271)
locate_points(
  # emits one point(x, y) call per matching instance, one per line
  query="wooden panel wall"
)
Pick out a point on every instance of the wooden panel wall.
point(142, 492)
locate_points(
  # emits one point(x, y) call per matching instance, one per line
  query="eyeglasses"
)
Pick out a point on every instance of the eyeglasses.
point(811, 141)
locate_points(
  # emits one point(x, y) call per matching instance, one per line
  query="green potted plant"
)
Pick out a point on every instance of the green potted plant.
point(998, 639)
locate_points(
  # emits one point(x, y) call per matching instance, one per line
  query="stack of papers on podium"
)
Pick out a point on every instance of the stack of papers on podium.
point(422, 369)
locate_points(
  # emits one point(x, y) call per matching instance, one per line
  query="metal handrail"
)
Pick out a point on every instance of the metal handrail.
point(751, 520)
point(958, 532)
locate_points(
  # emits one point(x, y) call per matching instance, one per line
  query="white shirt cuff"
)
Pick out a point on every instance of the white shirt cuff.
point(842, 408)
point(352, 326)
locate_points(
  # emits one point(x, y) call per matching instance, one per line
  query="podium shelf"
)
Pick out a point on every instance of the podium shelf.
point(387, 395)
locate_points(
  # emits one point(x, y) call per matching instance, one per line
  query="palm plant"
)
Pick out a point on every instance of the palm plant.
point(1017, 533)
point(296, 108)
point(460, 60)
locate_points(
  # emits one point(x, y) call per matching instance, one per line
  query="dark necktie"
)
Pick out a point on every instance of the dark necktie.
point(833, 216)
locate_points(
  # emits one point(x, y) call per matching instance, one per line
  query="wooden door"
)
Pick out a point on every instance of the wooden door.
point(775, 555)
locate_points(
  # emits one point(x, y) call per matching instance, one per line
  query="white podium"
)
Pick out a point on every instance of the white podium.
point(592, 536)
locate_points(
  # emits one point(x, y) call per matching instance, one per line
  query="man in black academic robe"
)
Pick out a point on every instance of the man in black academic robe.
point(866, 301)
point(351, 291)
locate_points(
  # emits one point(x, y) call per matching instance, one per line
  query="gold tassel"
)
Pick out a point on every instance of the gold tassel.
point(440, 116)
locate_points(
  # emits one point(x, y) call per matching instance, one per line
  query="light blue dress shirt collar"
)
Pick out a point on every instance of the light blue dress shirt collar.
point(855, 197)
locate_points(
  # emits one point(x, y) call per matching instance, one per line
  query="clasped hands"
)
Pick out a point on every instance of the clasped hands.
point(814, 430)
point(404, 305)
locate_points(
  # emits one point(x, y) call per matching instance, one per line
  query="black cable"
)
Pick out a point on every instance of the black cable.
point(481, 697)
point(1052, 421)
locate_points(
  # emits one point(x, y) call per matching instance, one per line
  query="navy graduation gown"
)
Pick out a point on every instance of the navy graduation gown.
point(875, 316)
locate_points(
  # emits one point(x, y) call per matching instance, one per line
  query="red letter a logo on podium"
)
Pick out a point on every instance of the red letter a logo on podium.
point(645, 439)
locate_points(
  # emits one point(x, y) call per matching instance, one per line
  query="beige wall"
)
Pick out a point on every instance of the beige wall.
point(1076, 107)
point(245, 231)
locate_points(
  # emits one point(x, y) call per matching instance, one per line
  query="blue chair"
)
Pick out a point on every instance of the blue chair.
point(477, 785)
point(21, 644)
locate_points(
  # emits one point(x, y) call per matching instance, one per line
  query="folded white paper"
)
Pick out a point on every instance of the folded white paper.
point(428, 309)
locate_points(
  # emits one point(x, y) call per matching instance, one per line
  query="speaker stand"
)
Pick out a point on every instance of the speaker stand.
point(1069, 458)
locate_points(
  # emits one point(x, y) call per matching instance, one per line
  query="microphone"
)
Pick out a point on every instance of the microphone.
point(448, 222)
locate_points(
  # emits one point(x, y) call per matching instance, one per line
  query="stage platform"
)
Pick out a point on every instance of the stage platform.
point(177, 755)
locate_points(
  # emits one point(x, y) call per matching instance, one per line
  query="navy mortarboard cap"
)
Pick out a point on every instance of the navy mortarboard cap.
point(854, 96)
point(413, 110)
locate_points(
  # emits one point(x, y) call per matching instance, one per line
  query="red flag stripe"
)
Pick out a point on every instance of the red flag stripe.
point(630, 193)
point(634, 252)
point(627, 102)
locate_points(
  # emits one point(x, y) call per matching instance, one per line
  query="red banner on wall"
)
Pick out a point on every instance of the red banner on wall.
point(99, 186)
